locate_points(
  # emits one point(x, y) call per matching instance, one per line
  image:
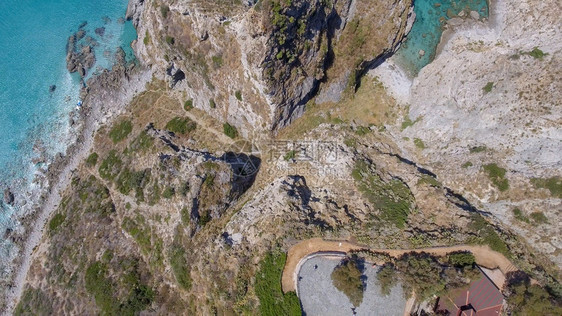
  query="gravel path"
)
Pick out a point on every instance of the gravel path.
point(319, 296)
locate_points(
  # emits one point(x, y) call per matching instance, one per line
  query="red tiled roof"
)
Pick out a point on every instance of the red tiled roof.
point(482, 299)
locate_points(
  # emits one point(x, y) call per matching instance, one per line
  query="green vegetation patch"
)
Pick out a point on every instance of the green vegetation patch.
point(34, 302)
point(461, 259)
point(268, 287)
point(217, 61)
point(347, 277)
point(104, 289)
point(419, 143)
point(553, 184)
point(138, 229)
point(129, 180)
point(55, 222)
point(143, 142)
point(170, 40)
point(518, 214)
point(496, 174)
point(179, 265)
point(350, 142)
point(230, 130)
point(89, 195)
point(487, 235)
point(362, 130)
point(466, 164)
point(422, 274)
point(92, 160)
point(180, 125)
point(427, 275)
point(393, 198)
point(164, 10)
point(529, 299)
point(488, 87)
point(407, 122)
point(168, 192)
point(212, 103)
point(100, 286)
point(188, 105)
point(291, 154)
point(387, 278)
point(120, 131)
point(185, 216)
point(238, 95)
point(146, 40)
point(536, 53)
point(110, 166)
point(427, 179)
point(538, 217)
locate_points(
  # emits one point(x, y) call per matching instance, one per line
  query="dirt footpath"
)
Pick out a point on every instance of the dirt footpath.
point(484, 256)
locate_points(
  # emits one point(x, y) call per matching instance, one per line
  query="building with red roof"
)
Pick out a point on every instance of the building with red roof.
point(480, 298)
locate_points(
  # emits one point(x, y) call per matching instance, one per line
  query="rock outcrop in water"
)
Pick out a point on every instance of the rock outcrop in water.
point(79, 59)
point(8, 197)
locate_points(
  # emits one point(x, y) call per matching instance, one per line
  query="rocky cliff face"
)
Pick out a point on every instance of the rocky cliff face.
point(490, 127)
point(256, 65)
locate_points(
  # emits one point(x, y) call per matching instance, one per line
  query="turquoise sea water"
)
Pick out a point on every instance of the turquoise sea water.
point(431, 15)
point(33, 36)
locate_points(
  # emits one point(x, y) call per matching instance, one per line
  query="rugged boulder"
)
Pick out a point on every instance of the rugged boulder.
point(8, 197)
point(81, 59)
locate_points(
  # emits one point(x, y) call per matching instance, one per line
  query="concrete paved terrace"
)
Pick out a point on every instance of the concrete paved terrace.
point(319, 296)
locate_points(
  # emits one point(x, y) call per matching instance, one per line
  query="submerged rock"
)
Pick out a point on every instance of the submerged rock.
point(8, 197)
point(80, 34)
point(7, 233)
point(100, 31)
point(52, 88)
point(79, 61)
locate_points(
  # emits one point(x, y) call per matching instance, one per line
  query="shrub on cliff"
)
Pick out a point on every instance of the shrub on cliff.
point(392, 198)
point(92, 160)
point(110, 166)
point(120, 131)
point(497, 176)
point(230, 130)
point(164, 10)
point(34, 302)
point(461, 259)
point(268, 287)
point(188, 105)
point(180, 125)
point(104, 289)
point(180, 266)
point(525, 298)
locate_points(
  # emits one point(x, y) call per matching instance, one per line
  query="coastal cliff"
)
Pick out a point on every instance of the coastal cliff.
point(256, 65)
point(258, 124)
